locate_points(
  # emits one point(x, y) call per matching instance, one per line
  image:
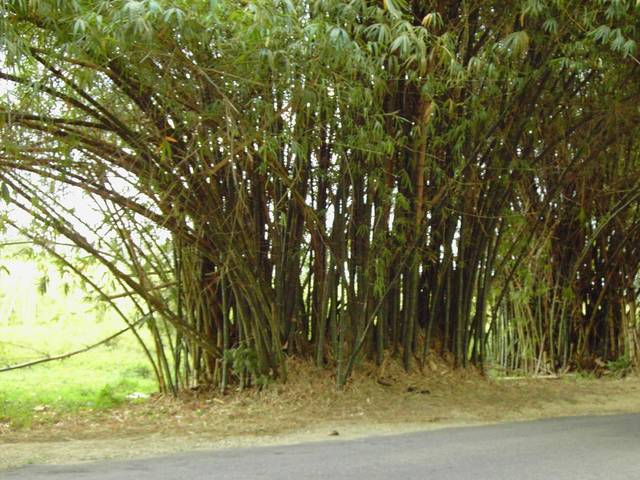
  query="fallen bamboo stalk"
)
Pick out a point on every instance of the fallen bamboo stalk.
point(69, 354)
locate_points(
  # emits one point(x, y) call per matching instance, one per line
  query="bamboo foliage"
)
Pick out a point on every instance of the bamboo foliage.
point(338, 180)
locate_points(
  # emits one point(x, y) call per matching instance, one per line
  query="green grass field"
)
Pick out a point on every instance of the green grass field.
point(35, 323)
point(100, 380)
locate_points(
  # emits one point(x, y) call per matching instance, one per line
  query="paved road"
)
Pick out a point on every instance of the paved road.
point(583, 448)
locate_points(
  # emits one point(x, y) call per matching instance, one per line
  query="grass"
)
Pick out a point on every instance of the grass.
point(101, 379)
point(35, 324)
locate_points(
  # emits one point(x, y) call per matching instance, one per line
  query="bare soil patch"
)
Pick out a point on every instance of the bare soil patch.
point(309, 408)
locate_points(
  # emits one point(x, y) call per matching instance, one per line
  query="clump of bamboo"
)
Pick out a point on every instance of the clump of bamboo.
point(335, 181)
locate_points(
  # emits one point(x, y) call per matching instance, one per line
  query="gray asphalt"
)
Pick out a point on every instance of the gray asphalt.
point(579, 448)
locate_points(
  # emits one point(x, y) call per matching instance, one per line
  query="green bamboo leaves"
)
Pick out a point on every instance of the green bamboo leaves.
point(338, 181)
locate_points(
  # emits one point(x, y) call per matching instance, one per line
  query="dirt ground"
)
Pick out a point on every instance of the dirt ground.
point(309, 408)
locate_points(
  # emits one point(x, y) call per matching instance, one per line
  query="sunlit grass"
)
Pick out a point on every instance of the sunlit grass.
point(35, 324)
point(98, 380)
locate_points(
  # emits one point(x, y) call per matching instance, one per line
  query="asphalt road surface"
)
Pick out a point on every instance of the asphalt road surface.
point(582, 448)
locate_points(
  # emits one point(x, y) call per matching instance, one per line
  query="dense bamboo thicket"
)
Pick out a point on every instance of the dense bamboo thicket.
point(336, 180)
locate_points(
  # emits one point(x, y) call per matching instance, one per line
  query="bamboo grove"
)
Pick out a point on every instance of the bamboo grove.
point(339, 181)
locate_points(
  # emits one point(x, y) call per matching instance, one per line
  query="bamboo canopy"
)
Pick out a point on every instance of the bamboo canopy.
point(336, 181)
